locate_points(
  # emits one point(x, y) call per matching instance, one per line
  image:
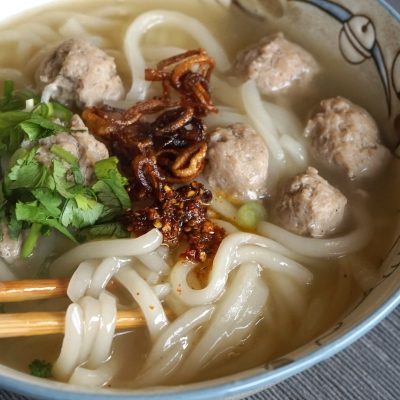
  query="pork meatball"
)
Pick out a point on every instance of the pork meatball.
point(78, 73)
point(345, 136)
point(237, 162)
point(276, 64)
point(80, 143)
point(309, 206)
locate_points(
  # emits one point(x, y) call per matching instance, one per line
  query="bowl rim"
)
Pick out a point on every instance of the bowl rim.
point(232, 389)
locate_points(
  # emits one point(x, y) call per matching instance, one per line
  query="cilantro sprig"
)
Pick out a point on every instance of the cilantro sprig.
point(37, 196)
point(18, 123)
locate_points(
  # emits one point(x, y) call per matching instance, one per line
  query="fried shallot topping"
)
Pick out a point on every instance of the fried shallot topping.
point(180, 215)
point(161, 139)
point(161, 142)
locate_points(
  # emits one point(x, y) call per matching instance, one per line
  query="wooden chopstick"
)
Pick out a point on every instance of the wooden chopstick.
point(48, 323)
point(25, 290)
point(35, 289)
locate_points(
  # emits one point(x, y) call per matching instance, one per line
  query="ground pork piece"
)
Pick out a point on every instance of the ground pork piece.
point(276, 64)
point(79, 73)
point(80, 143)
point(346, 136)
point(308, 205)
point(9, 248)
point(237, 162)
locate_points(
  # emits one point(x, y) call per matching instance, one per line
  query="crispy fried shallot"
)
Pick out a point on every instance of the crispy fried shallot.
point(163, 141)
point(189, 73)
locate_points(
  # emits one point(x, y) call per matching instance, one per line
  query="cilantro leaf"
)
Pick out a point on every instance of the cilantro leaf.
point(110, 189)
point(28, 173)
point(107, 230)
point(81, 211)
point(34, 212)
point(51, 201)
point(63, 185)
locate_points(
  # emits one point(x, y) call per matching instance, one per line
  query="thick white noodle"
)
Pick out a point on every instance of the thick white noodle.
point(91, 378)
point(101, 349)
point(152, 278)
point(261, 120)
point(223, 207)
point(147, 300)
point(232, 321)
point(226, 259)
point(285, 121)
point(290, 293)
point(273, 261)
point(70, 350)
point(67, 263)
point(148, 20)
point(72, 28)
point(225, 92)
point(115, 10)
point(155, 262)
point(323, 248)
point(162, 290)
point(158, 53)
point(87, 21)
point(81, 279)
point(295, 149)
point(229, 228)
point(91, 317)
point(102, 275)
point(168, 351)
point(224, 118)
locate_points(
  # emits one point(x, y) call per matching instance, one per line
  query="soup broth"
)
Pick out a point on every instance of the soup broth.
point(294, 314)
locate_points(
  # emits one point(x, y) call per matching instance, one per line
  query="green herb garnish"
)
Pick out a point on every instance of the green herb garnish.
point(40, 368)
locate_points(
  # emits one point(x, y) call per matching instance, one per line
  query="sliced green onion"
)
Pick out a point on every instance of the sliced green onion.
point(64, 154)
point(31, 240)
point(250, 214)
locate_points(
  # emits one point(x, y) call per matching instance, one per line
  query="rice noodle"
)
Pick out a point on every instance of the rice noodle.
point(167, 352)
point(229, 257)
point(149, 303)
point(103, 340)
point(232, 322)
point(65, 264)
point(72, 28)
point(323, 248)
point(225, 92)
point(223, 207)
point(143, 23)
point(70, 350)
point(273, 261)
point(260, 118)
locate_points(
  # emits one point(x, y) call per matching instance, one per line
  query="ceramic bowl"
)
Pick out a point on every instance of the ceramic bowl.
point(362, 35)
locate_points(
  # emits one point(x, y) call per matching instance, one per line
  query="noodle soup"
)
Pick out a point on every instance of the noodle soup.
point(266, 290)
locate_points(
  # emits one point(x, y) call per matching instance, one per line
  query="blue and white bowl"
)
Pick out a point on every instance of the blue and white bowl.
point(362, 35)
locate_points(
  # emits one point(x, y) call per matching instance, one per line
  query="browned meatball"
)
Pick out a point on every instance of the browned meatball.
point(80, 74)
point(276, 64)
point(237, 162)
point(310, 206)
point(345, 136)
